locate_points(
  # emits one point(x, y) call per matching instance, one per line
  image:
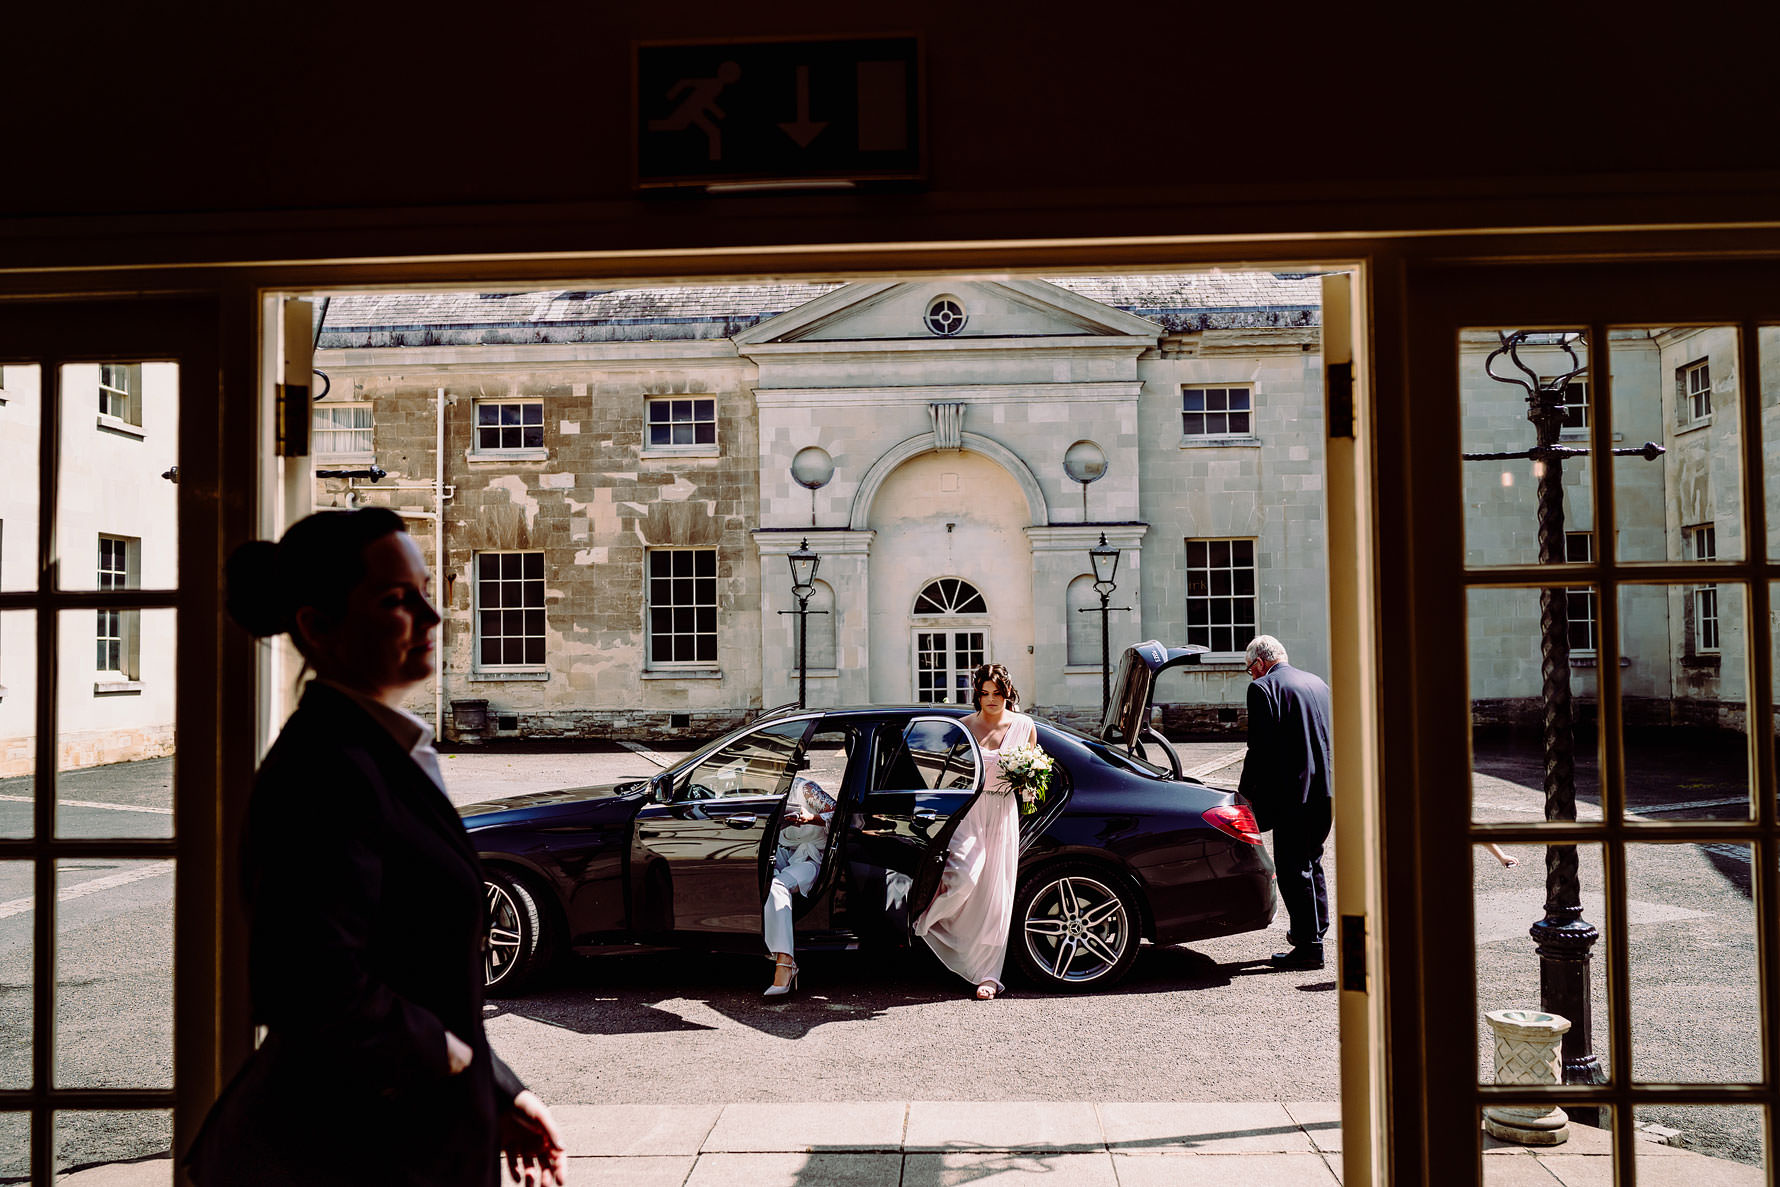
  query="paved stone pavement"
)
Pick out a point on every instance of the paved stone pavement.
point(1079, 1144)
point(952, 1143)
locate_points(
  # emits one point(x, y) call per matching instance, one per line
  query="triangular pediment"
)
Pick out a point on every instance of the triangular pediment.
point(899, 311)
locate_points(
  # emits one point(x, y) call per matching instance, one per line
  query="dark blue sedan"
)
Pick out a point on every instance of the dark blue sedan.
point(1123, 850)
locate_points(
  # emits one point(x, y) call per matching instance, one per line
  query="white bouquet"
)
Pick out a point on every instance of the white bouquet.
point(1026, 771)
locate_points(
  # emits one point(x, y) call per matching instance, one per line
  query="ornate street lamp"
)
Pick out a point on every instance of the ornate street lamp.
point(804, 564)
point(1106, 563)
point(1563, 938)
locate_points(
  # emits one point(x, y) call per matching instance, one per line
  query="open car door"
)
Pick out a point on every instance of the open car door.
point(925, 773)
point(702, 838)
point(1127, 720)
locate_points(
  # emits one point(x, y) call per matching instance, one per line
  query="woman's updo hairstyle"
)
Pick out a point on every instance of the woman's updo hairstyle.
point(317, 563)
point(997, 673)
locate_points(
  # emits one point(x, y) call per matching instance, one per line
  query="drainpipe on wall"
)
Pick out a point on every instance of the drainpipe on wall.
point(439, 559)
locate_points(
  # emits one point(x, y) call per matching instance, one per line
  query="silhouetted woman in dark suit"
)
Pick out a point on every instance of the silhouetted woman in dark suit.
point(366, 900)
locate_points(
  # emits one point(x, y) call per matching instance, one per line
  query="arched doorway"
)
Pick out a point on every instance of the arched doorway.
point(950, 638)
point(959, 515)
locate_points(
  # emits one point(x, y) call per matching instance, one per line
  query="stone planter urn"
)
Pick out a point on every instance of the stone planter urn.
point(1527, 1052)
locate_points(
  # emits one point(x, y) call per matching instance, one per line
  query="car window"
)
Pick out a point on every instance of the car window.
point(825, 758)
point(929, 755)
point(759, 763)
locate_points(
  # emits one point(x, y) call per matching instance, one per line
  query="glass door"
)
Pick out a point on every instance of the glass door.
point(109, 730)
point(1595, 456)
point(944, 660)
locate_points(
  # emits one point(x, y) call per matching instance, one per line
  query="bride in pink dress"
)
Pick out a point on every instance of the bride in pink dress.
point(968, 921)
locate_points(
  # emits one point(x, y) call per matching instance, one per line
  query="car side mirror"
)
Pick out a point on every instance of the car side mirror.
point(661, 789)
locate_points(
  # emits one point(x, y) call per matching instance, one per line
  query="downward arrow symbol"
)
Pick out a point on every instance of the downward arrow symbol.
point(803, 130)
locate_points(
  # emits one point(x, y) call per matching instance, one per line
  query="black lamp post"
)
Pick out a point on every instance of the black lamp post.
point(1563, 938)
point(1106, 563)
point(803, 583)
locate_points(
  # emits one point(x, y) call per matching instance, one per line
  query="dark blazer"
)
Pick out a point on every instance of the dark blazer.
point(366, 901)
point(1288, 744)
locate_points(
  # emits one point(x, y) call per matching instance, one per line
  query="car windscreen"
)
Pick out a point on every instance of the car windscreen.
point(709, 748)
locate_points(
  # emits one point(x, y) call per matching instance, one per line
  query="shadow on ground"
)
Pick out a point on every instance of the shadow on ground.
point(620, 995)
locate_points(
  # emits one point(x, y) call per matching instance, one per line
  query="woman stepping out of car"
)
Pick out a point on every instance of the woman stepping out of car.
point(967, 923)
point(803, 839)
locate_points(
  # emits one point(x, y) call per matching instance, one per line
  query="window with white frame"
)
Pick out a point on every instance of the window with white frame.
point(682, 421)
point(509, 610)
point(1574, 405)
point(1216, 411)
point(120, 391)
point(509, 424)
point(945, 661)
point(1579, 601)
point(1221, 594)
point(1702, 542)
point(1702, 545)
point(681, 606)
point(1693, 391)
point(342, 429)
point(116, 635)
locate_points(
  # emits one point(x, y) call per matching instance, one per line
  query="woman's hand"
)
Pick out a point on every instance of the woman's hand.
point(457, 1053)
point(532, 1143)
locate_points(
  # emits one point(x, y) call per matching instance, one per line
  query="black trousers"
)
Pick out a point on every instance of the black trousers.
point(1298, 857)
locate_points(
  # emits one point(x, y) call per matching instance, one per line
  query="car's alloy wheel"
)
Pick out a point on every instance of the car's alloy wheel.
point(513, 929)
point(1078, 929)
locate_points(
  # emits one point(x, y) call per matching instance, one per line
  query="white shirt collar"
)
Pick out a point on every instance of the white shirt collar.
point(410, 732)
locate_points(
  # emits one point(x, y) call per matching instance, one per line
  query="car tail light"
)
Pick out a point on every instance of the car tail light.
point(1235, 820)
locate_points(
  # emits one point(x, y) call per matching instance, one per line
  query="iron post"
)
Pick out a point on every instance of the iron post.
point(1105, 558)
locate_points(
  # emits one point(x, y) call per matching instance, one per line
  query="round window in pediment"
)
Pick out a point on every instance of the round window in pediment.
point(949, 595)
point(945, 316)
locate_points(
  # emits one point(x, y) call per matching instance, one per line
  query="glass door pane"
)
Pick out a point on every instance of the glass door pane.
point(115, 735)
point(117, 522)
point(20, 448)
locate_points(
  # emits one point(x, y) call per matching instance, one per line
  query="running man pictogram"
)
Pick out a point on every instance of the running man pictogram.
point(699, 107)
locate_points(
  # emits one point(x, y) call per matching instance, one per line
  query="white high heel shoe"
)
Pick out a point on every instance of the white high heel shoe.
point(788, 986)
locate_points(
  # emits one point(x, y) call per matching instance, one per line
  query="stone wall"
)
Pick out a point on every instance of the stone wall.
point(89, 748)
point(639, 725)
point(593, 501)
point(1526, 715)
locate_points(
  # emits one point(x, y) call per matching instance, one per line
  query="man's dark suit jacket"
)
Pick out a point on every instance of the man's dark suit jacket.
point(1288, 744)
point(366, 947)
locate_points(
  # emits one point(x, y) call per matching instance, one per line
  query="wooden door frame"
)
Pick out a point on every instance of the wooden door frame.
point(1429, 833)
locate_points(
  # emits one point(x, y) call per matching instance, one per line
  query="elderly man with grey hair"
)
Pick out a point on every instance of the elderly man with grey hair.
point(1288, 780)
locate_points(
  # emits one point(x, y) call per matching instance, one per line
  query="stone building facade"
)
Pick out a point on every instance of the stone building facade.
point(1683, 654)
point(658, 427)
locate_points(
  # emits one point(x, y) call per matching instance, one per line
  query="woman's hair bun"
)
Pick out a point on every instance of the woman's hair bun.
point(253, 593)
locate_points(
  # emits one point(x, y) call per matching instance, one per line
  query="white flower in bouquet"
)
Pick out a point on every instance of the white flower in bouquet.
point(1026, 771)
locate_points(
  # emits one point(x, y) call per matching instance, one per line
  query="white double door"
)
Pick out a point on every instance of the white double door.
point(944, 658)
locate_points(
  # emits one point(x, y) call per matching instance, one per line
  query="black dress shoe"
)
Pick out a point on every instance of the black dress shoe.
point(1304, 956)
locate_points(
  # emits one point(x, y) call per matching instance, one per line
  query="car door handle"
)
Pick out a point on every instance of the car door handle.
point(927, 814)
point(741, 820)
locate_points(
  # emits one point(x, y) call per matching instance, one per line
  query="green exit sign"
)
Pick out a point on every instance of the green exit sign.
point(818, 109)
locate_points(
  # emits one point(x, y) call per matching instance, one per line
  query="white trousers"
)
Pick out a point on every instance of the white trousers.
point(796, 876)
